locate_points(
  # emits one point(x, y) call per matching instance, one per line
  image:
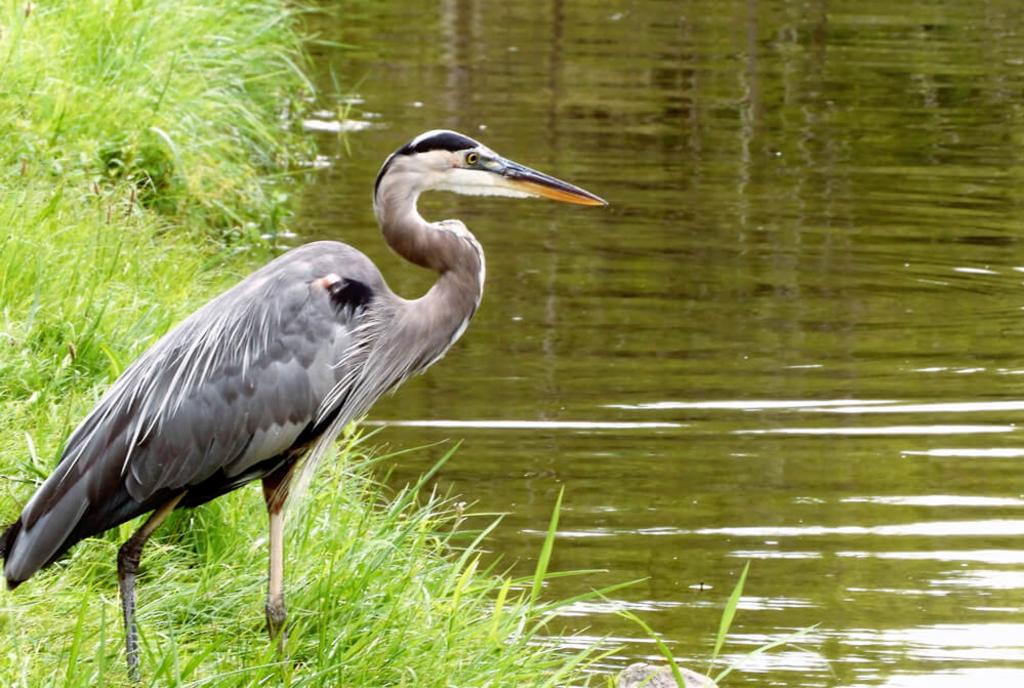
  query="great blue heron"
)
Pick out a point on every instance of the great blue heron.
point(270, 371)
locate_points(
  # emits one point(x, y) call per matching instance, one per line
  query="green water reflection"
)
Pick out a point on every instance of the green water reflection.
point(802, 312)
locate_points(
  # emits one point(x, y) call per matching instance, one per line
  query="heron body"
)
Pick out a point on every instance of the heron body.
point(265, 375)
point(235, 391)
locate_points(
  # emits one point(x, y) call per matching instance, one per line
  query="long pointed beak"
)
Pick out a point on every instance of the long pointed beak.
point(534, 183)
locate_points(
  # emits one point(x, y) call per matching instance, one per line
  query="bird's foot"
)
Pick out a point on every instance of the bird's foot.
point(277, 614)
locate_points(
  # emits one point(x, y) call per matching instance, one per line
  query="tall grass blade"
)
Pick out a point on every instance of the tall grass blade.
point(785, 640)
point(541, 572)
point(659, 643)
point(428, 476)
point(76, 644)
point(729, 613)
point(499, 606)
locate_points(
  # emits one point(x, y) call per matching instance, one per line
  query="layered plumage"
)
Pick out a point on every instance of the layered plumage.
point(241, 386)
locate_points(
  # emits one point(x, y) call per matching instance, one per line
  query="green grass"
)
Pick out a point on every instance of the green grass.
point(388, 595)
point(145, 149)
point(166, 103)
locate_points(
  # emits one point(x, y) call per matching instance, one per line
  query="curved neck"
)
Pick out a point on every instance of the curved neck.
point(405, 230)
point(446, 247)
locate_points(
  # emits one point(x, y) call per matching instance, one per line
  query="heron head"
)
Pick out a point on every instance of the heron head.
point(448, 161)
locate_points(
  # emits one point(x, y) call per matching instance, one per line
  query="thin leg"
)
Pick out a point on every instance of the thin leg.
point(127, 566)
point(275, 492)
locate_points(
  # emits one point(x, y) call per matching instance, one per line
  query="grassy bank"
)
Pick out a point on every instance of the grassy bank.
point(144, 149)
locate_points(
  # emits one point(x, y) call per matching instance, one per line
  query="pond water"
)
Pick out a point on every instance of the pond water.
point(793, 338)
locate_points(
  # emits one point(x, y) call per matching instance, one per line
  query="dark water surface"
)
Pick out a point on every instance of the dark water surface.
point(794, 338)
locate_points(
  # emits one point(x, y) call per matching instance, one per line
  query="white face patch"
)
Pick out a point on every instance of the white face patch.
point(478, 183)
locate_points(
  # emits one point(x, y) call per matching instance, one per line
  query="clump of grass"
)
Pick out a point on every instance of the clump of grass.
point(165, 103)
point(375, 596)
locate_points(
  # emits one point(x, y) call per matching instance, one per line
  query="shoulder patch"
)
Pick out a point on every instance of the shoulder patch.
point(349, 294)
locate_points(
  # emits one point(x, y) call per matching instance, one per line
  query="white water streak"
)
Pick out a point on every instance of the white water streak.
point(528, 424)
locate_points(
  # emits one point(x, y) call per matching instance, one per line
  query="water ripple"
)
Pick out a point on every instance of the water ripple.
point(981, 556)
point(936, 500)
point(991, 527)
point(528, 424)
point(884, 430)
point(749, 404)
point(980, 453)
point(940, 407)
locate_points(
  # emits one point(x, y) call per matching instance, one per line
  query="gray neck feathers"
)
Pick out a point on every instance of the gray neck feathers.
point(446, 247)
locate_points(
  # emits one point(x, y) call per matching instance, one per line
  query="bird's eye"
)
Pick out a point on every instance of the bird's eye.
point(472, 158)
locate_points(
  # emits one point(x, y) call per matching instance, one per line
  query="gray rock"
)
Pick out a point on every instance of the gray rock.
point(642, 675)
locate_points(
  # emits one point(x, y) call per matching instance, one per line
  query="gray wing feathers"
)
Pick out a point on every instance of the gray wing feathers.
point(234, 384)
point(393, 346)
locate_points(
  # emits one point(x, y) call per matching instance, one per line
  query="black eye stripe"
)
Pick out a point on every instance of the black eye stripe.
point(442, 140)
